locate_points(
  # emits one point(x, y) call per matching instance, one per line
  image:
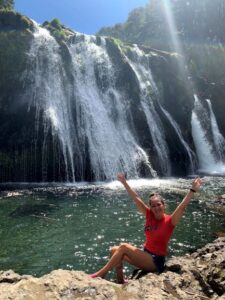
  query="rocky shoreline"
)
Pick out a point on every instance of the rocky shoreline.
point(200, 275)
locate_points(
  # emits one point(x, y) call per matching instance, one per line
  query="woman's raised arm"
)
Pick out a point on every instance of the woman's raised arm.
point(142, 207)
point(179, 211)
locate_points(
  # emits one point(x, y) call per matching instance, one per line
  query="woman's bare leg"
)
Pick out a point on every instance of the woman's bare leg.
point(119, 268)
point(133, 255)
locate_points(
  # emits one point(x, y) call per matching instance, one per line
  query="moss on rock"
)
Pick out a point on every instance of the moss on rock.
point(14, 46)
point(11, 20)
point(58, 30)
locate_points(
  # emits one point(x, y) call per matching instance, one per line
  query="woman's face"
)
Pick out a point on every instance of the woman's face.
point(157, 206)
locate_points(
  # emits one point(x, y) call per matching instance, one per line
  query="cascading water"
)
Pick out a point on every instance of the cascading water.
point(139, 63)
point(76, 94)
point(91, 123)
point(208, 162)
point(101, 113)
point(49, 94)
point(176, 127)
point(219, 140)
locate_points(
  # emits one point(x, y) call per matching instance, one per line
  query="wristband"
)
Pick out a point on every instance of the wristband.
point(193, 191)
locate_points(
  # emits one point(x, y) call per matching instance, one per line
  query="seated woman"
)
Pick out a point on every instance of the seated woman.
point(158, 230)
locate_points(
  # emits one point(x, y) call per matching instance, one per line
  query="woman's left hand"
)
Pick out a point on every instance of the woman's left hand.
point(196, 183)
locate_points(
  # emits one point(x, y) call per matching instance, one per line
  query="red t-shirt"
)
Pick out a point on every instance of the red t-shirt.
point(157, 233)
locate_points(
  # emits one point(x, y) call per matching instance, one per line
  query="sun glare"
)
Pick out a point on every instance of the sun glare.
point(173, 31)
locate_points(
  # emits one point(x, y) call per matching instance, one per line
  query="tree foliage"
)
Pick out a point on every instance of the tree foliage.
point(7, 4)
point(195, 20)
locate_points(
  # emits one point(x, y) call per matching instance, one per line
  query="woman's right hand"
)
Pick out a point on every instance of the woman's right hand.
point(121, 177)
point(142, 207)
point(196, 183)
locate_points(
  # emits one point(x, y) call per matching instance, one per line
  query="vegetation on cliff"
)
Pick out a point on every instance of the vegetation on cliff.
point(58, 30)
point(195, 21)
point(6, 4)
point(15, 37)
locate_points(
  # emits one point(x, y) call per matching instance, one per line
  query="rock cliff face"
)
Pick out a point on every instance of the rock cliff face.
point(200, 275)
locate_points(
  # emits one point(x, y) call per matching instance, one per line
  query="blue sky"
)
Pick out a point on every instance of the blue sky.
point(86, 16)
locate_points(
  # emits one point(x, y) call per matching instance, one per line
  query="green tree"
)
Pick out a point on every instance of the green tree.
point(195, 20)
point(7, 4)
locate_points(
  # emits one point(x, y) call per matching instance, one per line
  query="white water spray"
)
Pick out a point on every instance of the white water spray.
point(219, 140)
point(49, 93)
point(139, 62)
point(179, 133)
point(101, 113)
point(88, 114)
point(207, 160)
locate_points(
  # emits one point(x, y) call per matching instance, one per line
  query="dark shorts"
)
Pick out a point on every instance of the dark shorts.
point(158, 260)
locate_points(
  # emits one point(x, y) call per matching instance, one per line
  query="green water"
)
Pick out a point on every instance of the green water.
point(72, 227)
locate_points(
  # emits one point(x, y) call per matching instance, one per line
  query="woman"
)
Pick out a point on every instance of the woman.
point(158, 230)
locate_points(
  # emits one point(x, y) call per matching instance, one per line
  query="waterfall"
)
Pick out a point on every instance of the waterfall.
point(82, 107)
point(90, 122)
point(219, 140)
point(139, 63)
point(208, 163)
point(176, 127)
point(101, 113)
point(48, 93)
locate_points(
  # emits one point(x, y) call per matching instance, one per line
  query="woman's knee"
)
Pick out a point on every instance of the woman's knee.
point(124, 247)
point(114, 249)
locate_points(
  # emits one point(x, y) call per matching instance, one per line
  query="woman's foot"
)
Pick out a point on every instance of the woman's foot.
point(124, 281)
point(94, 275)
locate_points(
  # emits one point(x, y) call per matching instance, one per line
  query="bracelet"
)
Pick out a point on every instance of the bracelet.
point(193, 191)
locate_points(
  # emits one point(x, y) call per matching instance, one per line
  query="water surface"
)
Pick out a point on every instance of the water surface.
point(46, 227)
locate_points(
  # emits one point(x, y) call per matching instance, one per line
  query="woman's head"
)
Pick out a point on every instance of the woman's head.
point(157, 205)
